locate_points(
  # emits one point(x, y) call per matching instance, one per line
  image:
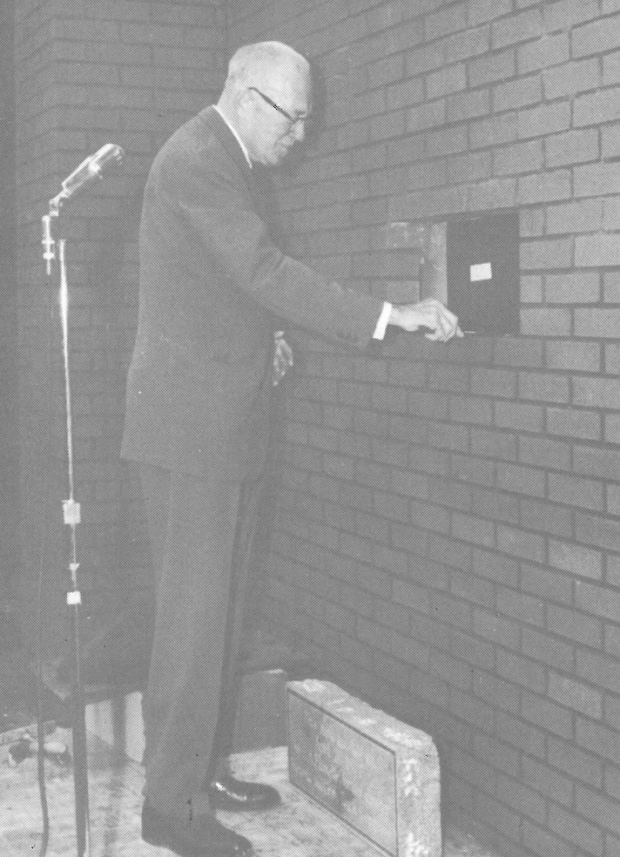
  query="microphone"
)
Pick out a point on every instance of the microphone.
point(91, 168)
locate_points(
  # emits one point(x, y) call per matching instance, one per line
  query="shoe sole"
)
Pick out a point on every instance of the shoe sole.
point(166, 842)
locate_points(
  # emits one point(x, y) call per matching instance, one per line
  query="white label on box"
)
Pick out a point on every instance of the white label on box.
point(480, 272)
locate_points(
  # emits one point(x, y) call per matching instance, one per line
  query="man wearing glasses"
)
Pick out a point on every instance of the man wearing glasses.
point(213, 289)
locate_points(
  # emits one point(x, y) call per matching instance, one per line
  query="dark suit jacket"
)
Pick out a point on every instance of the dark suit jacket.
point(212, 284)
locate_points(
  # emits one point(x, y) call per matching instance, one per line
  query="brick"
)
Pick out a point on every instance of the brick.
point(545, 518)
point(597, 179)
point(470, 43)
point(572, 288)
point(517, 416)
point(544, 187)
point(404, 94)
point(595, 461)
point(451, 670)
point(474, 530)
point(596, 37)
point(576, 830)
point(579, 765)
point(572, 147)
point(571, 78)
point(445, 21)
point(612, 428)
point(547, 51)
point(586, 215)
point(597, 108)
point(387, 125)
point(495, 505)
point(468, 105)
point(600, 670)
point(542, 841)
point(597, 530)
point(521, 543)
point(492, 67)
point(494, 130)
point(514, 351)
point(446, 142)
point(575, 626)
point(600, 810)
point(424, 58)
point(563, 15)
point(541, 255)
point(516, 28)
point(576, 491)
point(493, 193)
point(597, 600)
point(481, 11)
point(548, 782)
point(543, 386)
point(547, 715)
point(470, 409)
point(519, 158)
point(545, 119)
point(521, 480)
point(447, 80)
point(496, 629)
point(494, 382)
point(515, 94)
point(597, 392)
point(532, 222)
point(545, 322)
point(601, 249)
point(424, 116)
point(521, 798)
point(496, 692)
point(574, 423)
point(611, 221)
point(520, 734)
point(385, 71)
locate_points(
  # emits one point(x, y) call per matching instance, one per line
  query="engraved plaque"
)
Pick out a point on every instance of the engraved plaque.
point(379, 776)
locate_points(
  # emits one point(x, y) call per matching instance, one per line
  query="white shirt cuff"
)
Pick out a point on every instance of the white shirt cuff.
point(383, 321)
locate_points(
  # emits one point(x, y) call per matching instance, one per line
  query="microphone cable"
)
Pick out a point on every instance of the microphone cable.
point(45, 495)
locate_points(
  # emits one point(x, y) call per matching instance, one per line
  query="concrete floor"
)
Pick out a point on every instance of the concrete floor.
point(298, 828)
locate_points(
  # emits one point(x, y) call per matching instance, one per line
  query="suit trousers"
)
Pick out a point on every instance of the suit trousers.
point(202, 533)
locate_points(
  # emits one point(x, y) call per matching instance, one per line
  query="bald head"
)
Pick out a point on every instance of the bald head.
point(259, 64)
point(266, 98)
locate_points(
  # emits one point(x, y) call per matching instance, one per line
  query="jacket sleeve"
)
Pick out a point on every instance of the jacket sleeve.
point(208, 191)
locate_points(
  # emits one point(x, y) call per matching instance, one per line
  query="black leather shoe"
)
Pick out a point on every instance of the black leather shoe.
point(233, 795)
point(203, 836)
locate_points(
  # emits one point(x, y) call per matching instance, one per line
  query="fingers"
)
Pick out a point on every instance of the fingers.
point(443, 323)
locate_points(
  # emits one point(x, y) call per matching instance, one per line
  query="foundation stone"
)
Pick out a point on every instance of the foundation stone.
point(375, 773)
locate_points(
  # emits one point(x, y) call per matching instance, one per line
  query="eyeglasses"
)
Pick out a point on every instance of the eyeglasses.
point(292, 119)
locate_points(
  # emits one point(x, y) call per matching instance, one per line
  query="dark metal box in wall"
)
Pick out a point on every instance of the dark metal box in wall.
point(483, 271)
point(376, 774)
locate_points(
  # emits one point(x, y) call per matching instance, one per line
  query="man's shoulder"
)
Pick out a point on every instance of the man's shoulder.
point(202, 142)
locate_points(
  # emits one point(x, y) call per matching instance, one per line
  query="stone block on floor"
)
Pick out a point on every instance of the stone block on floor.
point(378, 775)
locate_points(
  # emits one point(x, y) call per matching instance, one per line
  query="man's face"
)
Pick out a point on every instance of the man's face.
point(277, 108)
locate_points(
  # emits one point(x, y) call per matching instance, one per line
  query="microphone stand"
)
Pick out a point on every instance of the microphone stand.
point(71, 515)
point(84, 173)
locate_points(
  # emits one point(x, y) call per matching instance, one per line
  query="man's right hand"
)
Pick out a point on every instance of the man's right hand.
point(430, 313)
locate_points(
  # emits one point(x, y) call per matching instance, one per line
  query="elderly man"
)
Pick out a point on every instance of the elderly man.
point(213, 287)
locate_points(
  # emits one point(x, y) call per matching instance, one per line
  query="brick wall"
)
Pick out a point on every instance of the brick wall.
point(9, 517)
point(447, 540)
point(127, 72)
